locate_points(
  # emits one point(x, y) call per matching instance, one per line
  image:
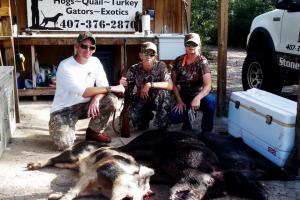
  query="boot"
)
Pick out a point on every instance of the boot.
point(94, 136)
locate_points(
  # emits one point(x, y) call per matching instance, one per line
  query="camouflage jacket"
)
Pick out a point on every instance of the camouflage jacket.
point(139, 76)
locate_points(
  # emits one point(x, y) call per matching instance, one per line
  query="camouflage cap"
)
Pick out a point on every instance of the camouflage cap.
point(82, 36)
point(192, 37)
point(148, 46)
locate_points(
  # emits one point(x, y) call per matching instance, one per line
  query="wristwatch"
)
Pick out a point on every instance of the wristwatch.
point(151, 84)
point(108, 89)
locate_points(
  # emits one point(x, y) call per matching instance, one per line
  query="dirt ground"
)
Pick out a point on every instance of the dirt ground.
point(31, 143)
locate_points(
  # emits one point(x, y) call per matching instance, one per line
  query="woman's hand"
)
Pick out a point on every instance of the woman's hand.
point(179, 107)
point(144, 92)
point(123, 81)
point(195, 104)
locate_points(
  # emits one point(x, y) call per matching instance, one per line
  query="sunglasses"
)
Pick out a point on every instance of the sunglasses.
point(84, 46)
point(190, 44)
point(151, 54)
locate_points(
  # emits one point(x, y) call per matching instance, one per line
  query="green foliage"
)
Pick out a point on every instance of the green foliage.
point(240, 15)
point(204, 19)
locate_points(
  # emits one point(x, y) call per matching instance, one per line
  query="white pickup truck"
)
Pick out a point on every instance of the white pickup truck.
point(273, 48)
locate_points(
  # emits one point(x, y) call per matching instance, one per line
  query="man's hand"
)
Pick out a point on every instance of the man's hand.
point(94, 110)
point(118, 89)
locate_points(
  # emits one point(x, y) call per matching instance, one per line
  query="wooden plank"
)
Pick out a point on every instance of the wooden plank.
point(7, 116)
point(178, 16)
point(33, 74)
point(21, 15)
point(169, 17)
point(188, 12)
point(123, 62)
point(40, 91)
point(6, 28)
point(9, 53)
point(71, 41)
point(4, 11)
point(159, 18)
point(33, 57)
point(186, 7)
point(222, 55)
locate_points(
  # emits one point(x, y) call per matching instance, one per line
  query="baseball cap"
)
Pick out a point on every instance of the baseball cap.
point(148, 46)
point(192, 37)
point(82, 36)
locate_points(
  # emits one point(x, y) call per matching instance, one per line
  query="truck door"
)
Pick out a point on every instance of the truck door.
point(290, 34)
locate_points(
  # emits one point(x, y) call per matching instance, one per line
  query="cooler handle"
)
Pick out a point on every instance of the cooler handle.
point(237, 104)
point(269, 119)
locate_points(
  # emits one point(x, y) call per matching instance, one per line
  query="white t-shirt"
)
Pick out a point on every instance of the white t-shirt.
point(73, 78)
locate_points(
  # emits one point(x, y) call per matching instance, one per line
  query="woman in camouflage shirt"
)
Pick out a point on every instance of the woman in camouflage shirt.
point(153, 84)
point(192, 85)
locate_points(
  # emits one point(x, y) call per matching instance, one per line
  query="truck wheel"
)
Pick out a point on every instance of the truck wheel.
point(258, 72)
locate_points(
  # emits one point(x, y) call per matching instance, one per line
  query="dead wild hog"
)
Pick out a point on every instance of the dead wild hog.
point(109, 171)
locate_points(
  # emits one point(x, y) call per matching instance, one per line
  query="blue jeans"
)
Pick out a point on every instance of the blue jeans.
point(207, 106)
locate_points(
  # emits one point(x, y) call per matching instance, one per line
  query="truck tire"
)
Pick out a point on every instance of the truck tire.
point(259, 72)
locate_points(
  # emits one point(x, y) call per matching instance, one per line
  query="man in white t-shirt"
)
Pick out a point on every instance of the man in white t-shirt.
point(82, 91)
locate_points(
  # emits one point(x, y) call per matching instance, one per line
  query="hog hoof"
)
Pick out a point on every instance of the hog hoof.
point(55, 196)
point(33, 166)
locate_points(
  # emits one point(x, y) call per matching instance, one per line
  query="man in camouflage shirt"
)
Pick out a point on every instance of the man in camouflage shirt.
point(152, 82)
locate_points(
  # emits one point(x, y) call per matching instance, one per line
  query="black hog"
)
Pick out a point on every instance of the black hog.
point(193, 169)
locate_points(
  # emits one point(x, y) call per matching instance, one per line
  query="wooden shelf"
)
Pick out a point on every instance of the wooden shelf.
point(38, 91)
point(70, 39)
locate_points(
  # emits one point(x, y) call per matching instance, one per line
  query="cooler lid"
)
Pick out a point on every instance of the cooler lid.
point(266, 103)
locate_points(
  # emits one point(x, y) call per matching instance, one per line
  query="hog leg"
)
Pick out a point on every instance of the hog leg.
point(81, 185)
point(66, 160)
point(39, 165)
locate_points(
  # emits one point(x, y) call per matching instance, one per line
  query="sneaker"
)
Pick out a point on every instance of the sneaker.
point(99, 137)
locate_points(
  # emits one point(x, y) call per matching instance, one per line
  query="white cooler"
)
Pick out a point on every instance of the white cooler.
point(265, 122)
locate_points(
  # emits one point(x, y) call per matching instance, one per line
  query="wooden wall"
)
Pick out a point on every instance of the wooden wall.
point(168, 13)
point(169, 18)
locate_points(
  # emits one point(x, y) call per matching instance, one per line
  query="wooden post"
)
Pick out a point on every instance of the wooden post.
point(33, 74)
point(222, 55)
point(6, 30)
point(297, 137)
point(186, 15)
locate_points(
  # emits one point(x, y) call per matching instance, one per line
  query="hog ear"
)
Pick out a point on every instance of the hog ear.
point(146, 171)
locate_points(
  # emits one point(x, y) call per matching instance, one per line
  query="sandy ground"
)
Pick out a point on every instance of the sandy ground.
point(31, 143)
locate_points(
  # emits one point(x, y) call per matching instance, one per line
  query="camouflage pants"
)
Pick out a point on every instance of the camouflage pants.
point(140, 111)
point(62, 122)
